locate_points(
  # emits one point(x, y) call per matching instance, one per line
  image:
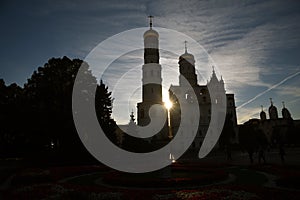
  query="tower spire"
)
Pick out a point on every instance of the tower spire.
point(283, 104)
point(262, 108)
point(214, 73)
point(132, 116)
point(185, 46)
point(271, 101)
point(150, 20)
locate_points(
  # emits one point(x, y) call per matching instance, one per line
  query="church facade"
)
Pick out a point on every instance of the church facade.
point(277, 130)
point(201, 96)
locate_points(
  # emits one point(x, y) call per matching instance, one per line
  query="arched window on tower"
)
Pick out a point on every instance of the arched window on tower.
point(186, 95)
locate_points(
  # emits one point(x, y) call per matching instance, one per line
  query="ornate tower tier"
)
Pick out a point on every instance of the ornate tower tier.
point(187, 69)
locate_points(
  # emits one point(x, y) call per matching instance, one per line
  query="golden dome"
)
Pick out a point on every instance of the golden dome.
point(151, 32)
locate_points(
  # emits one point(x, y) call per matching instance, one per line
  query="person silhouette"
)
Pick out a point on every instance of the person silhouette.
point(282, 153)
point(261, 155)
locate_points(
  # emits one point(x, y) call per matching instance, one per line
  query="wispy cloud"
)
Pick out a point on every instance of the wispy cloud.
point(289, 90)
point(248, 113)
point(249, 46)
point(255, 44)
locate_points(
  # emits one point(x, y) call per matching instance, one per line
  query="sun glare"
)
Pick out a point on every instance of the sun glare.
point(168, 104)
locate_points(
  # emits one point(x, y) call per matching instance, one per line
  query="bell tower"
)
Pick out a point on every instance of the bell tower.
point(152, 89)
point(187, 68)
point(151, 81)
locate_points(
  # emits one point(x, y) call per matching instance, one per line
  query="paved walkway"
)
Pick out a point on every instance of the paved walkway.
point(239, 158)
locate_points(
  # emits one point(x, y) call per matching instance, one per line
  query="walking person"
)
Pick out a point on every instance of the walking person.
point(250, 152)
point(282, 153)
point(228, 152)
point(261, 155)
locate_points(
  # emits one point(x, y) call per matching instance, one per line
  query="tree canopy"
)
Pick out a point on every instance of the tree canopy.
point(39, 115)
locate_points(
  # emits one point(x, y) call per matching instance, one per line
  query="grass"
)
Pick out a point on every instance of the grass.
point(86, 180)
point(247, 177)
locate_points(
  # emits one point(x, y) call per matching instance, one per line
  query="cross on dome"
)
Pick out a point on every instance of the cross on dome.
point(150, 20)
point(283, 104)
point(271, 101)
point(185, 46)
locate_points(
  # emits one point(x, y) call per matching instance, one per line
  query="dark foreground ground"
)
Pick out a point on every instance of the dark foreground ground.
point(211, 178)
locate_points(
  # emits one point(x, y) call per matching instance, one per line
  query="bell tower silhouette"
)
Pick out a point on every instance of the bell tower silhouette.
point(151, 81)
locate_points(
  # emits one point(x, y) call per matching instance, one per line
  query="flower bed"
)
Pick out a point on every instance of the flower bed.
point(180, 176)
point(290, 180)
point(288, 176)
point(220, 192)
point(37, 175)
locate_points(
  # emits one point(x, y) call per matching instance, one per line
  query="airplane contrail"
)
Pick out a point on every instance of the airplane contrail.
point(267, 90)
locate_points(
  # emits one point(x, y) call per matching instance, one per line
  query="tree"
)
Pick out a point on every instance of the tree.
point(12, 135)
point(103, 106)
point(49, 96)
point(40, 115)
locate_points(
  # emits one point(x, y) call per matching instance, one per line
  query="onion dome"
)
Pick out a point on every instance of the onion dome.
point(187, 56)
point(151, 32)
point(273, 111)
point(285, 112)
point(263, 115)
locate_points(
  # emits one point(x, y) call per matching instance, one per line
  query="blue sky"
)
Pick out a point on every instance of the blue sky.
point(256, 44)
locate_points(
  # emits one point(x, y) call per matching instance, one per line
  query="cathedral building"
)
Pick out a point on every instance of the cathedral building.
point(189, 95)
point(199, 95)
point(277, 130)
point(152, 93)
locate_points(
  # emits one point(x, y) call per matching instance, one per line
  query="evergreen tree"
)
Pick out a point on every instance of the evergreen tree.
point(103, 105)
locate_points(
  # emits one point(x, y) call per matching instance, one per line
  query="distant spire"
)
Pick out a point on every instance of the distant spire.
point(263, 115)
point(283, 104)
point(213, 72)
point(150, 20)
point(132, 116)
point(271, 101)
point(185, 46)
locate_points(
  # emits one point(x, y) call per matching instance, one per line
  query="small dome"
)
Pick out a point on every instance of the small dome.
point(151, 32)
point(187, 56)
point(273, 112)
point(263, 115)
point(286, 113)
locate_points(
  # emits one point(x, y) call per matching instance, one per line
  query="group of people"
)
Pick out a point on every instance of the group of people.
point(261, 154)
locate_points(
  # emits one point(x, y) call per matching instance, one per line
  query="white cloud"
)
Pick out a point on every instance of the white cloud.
point(248, 113)
point(291, 91)
point(240, 38)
